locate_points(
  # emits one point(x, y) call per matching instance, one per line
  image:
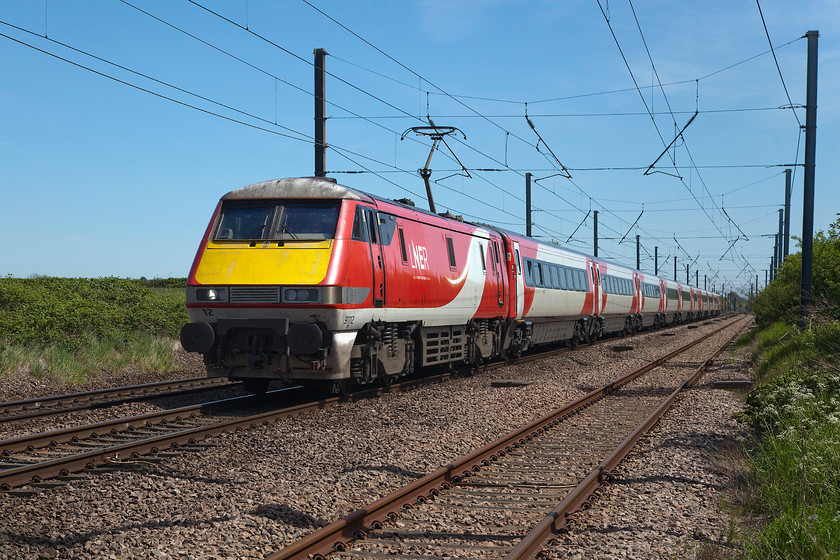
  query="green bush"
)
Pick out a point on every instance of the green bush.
point(163, 282)
point(779, 301)
point(71, 328)
point(63, 310)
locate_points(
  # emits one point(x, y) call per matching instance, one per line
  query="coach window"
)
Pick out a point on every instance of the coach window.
point(483, 263)
point(518, 268)
point(529, 272)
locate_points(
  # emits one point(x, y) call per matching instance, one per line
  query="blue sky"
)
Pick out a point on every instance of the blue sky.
point(100, 178)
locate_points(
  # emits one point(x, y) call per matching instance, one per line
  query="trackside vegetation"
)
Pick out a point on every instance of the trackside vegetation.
point(794, 414)
point(72, 330)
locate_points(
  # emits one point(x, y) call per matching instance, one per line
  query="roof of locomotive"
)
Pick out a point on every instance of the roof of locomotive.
point(320, 187)
point(298, 187)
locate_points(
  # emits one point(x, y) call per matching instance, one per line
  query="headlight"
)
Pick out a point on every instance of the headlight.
point(302, 295)
point(215, 295)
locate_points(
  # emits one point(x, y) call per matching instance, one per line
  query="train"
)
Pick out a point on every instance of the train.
point(308, 281)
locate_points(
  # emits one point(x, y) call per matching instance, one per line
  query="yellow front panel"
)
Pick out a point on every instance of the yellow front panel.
point(239, 263)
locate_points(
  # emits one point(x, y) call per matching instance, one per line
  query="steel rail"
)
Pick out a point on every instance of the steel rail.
point(63, 466)
point(37, 472)
point(334, 537)
point(67, 435)
point(579, 498)
point(46, 406)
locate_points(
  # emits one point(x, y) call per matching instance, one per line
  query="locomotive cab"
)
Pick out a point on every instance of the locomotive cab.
point(267, 293)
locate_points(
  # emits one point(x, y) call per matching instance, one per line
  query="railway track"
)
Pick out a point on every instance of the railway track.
point(507, 498)
point(35, 459)
point(101, 398)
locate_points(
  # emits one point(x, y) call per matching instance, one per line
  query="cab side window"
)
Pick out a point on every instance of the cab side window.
point(359, 226)
point(387, 225)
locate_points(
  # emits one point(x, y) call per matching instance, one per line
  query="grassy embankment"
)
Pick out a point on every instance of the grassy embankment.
point(794, 456)
point(794, 414)
point(73, 330)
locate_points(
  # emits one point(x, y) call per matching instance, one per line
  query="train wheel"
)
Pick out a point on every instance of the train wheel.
point(341, 387)
point(385, 380)
point(475, 367)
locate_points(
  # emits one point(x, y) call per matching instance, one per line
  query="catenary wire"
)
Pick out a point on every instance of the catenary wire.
point(776, 60)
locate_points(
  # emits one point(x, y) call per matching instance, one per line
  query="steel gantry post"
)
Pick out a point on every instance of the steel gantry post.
point(787, 213)
point(810, 168)
point(638, 261)
point(528, 206)
point(320, 115)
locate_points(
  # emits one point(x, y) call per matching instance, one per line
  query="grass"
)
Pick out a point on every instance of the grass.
point(798, 471)
point(794, 458)
point(73, 329)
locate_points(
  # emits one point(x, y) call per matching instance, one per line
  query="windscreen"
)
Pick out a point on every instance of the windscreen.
point(277, 220)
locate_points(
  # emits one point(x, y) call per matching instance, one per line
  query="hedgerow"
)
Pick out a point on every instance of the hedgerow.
point(46, 310)
point(779, 301)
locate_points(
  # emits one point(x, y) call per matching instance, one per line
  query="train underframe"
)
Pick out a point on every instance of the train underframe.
point(258, 351)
